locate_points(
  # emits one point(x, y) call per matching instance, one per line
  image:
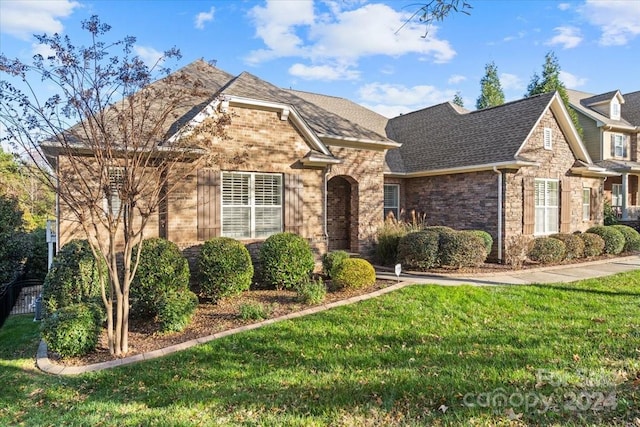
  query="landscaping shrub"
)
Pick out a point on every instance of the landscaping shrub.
point(162, 269)
point(388, 239)
point(613, 239)
point(286, 260)
point(38, 256)
point(332, 260)
point(354, 273)
point(461, 249)
point(547, 250)
point(175, 309)
point(610, 217)
point(486, 238)
point(516, 251)
point(74, 277)
point(312, 291)
point(419, 250)
point(253, 311)
point(573, 244)
point(631, 237)
point(73, 330)
point(225, 268)
point(438, 229)
point(593, 244)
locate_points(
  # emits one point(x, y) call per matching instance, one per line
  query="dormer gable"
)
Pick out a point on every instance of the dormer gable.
point(608, 104)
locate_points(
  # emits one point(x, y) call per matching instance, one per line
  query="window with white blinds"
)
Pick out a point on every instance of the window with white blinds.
point(391, 200)
point(251, 204)
point(115, 184)
point(547, 206)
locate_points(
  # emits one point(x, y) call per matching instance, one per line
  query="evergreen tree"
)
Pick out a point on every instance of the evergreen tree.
point(491, 93)
point(549, 82)
point(457, 99)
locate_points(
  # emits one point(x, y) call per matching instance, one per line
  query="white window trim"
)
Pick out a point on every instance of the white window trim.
point(547, 139)
point(586, 207)
point(546, 231)
point(615, 110)
point(616, 194)
point(252, 203)
point(397, 208)
point(618, 142)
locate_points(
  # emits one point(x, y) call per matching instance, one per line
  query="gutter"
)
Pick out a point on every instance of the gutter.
point(325, 220)
point(495, 169)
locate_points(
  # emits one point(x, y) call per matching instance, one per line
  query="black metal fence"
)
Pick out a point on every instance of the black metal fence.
point(19, 297)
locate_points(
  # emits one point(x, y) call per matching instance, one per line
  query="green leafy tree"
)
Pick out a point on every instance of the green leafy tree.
point(457, 99)
point(491, 93)
point(550, 81)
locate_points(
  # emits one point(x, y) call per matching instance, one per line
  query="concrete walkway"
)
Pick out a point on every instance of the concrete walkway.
point(554, 274)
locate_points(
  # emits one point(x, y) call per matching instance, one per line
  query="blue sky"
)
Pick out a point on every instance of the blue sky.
point(352, 48)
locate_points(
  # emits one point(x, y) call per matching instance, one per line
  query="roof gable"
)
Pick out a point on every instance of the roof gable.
point(595, 107)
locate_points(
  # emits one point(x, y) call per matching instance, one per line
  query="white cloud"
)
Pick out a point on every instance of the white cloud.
point(340, 37)
point(41, 49)
point(23, 18)
point(572, 81)
point(567, 37)
point(564, 6)
point(323, 72)
point(456, 78)
point(619, 21)
point(149, 55)
point(203, 17)
point(511, 82)
point(394, 99)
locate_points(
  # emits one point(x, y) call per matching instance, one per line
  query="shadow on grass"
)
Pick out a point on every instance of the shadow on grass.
point(584, 290)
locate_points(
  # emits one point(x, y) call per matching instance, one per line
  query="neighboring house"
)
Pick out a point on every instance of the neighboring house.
point(297, 167)
point(610, 127)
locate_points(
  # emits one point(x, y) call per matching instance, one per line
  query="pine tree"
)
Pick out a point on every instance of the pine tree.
point(457, 99)
point(549, 82)
point(491, 93)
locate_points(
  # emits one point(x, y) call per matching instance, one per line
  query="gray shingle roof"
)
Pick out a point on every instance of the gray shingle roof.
point(580, 101)
point(631, 108)
point(596, 99)
point(320, 120)
point(440, 137)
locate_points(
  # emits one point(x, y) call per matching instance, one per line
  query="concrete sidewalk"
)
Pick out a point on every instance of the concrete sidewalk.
point(554, 274)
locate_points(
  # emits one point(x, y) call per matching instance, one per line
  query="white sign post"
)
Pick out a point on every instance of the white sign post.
point(51, 240)
point(398, 271)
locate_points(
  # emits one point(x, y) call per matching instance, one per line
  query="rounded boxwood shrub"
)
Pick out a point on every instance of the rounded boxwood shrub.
point(175, 309)
point(613, 239)
point(162, 268)
point(225, 268)
point(593, 244)
point(332, 260)
point(573, 244)
point(461, 249)
point(546, 250)
point(419, 250)
point(354, 273)
point(73, 330)
point(631, 237)
point(486, 238)
point(74, 277)
point(286, 260)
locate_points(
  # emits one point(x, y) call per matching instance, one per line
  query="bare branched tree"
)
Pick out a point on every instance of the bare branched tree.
point(435, 11)
point(115, 137)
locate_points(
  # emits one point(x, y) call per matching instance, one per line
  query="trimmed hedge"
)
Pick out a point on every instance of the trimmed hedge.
point(387, 244)
point(225, 268)
point(593, 244)
point(73, 330)
point(286, 260)
point(73, 278)
point(573, 244)
point(486, 238)
point(162, 269)
point(461, 249)
point(613, 239)
point(175, 309)
point(332, 260)
point(547, 250)
point(419, 250)
point(631, 237)
point(354, 273)
point(313, 291)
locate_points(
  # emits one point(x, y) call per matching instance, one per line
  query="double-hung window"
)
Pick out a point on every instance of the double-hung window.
point(586, 203)
point(391, 200)
point(251, 204)
point(618, 145)
point(546, 205)
point(116, 175)
point(616, 194)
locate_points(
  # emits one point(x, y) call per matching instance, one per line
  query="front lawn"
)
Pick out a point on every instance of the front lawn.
point(534, 355)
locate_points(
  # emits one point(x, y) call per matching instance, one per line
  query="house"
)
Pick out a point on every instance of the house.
point(610, 132)
point(296, 167)
point(516, 169)
point(331, 170)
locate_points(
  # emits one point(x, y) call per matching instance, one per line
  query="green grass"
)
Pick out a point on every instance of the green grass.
point(412, 357)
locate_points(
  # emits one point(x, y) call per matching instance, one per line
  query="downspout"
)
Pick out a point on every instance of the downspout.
point(325, 220)
point(495, 169)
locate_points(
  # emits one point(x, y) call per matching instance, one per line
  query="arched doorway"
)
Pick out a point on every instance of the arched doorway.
point(342, 213)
